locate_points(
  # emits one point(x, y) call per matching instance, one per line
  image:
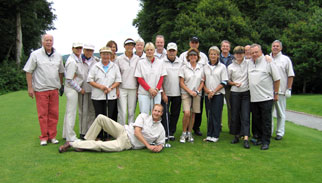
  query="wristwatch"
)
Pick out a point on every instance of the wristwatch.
point(275, 93)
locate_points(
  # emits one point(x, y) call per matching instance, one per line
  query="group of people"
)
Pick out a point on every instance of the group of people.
point(109, 88)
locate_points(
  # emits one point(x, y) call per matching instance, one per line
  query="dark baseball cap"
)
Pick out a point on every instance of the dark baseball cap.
point(194, 39)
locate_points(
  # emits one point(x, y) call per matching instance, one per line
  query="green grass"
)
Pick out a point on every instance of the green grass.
point(311, 104)
point(297, 158)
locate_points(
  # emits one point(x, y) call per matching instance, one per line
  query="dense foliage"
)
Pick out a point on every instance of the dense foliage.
point(36, 18)
point(296, 23)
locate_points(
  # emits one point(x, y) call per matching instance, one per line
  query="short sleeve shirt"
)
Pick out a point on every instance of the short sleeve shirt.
point(44, 69)
point(150, 72)
point(98, 75)
point(261, 75)
point(285, 69)
point(153, 132)
point(192, 77)
point(171, 85)
point(127, 68)
point(214, 75)
point(239, 73)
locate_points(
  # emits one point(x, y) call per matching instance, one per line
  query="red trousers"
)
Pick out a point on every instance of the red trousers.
point(48, 108)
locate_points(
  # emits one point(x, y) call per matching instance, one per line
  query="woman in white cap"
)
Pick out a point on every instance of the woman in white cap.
point(191, 83)
point(149, 73)
point(126, 103)
point(74, 80)
point(215, 79)
point(104, 77)
point(85, 105)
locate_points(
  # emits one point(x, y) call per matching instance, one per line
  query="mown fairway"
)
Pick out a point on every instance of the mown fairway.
point(297, 158)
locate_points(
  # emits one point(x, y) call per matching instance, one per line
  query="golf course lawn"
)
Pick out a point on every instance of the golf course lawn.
point(296, 158)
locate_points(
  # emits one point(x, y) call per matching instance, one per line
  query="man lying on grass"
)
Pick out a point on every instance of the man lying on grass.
point(146, 130)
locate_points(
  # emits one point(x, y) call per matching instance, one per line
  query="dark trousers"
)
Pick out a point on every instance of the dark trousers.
point(198, 116)
point(262, 120)
point(240, 110)
point(227, 98)
point(174, 104)
point(214, 108)
point(111, 112)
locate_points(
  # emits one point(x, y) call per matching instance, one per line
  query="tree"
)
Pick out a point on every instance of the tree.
point(36, 18)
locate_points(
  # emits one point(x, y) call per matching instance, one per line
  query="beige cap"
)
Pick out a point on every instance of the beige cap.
point(106, 50)
point(172, 46)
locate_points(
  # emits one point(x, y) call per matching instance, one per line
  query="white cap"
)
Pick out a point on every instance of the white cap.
point(89, 46)
point(77, 44)
point(129, 41)
point(172, 46)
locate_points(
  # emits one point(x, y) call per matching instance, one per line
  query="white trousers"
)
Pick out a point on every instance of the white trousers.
point(121, 142)
point(86, 112)
point(70, 114)
point(146, 102)
point(126, 105)
point(280, 107)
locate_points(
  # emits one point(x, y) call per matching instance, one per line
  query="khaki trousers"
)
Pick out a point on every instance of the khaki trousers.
point(122, 142)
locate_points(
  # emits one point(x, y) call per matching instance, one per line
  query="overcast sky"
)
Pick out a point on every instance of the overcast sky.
point(94, 21)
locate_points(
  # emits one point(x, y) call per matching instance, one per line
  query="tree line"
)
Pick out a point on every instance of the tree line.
point(297, 24)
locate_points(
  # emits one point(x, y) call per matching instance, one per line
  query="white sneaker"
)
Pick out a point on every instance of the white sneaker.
point(214, 139)
point(54, 141)
point(209, 139)
point(43, 142)
point(183, 138)
point(190, 138)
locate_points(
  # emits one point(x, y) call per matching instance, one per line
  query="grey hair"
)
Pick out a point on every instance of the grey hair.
point(140, 40)
point(278, 41)
point(256, 45)
point(44, 35)
point(214, 48)
point(225, 41)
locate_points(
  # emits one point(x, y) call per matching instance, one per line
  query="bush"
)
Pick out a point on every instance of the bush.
point(11, 77)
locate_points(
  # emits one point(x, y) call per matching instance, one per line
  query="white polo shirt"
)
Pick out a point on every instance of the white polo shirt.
point(239, 73)
point(171, 85)
point(74, 70)
point(161, 55)
point(192, 77)
point(98, 75)
point(214, 75)
point(262, 75)
point(127, 68)
point(150, 72)
point(44, 69)
point(88, 64)
point(203, 58)
point(153, 132)
point(285, 69)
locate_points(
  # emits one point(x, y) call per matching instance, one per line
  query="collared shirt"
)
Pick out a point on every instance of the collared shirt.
point(214, 75)
point(226, 60)
point(261, 75)
point(153, 132)
point(202, 61)
point(239, 73)
point(98, 75)
point(74, 70)
point(89, 63)
point(161, 55)
point(142, 57)
point(285, 69)
point(44, 69)
point(171, 85)
point(150, 72)
point(127, 68)
point(192, 77)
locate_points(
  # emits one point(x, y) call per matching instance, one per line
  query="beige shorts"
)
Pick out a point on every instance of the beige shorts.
point(186, 103)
